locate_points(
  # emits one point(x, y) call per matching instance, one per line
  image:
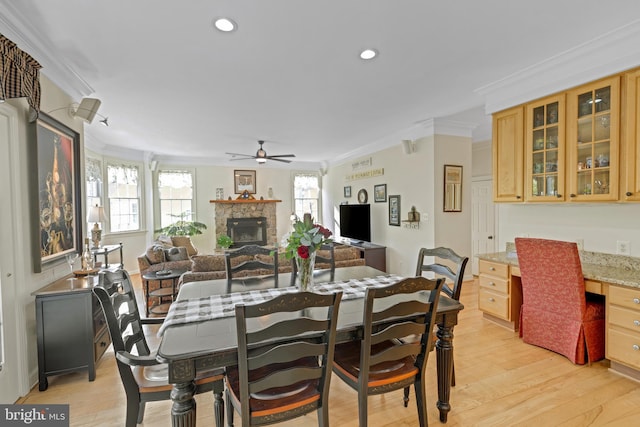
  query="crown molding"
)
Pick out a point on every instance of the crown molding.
point(613, 52)
point(39, 47)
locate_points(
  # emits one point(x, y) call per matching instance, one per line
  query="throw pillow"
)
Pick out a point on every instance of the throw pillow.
point(202, 263)
point(186, 242)
point(164, 240)
point(176, 254)
point(155, 254)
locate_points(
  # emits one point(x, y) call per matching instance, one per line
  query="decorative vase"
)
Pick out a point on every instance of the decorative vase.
point(304, 279)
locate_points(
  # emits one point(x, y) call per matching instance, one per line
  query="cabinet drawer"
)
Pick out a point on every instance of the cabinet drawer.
point(626, 297)
point(494, 303)
point(101, 344)
point(625, 318)
point(494, 269)
point(624, 347)
point(496, 285)
point(99, 323)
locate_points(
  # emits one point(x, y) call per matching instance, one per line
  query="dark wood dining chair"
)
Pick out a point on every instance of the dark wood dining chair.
point(325, 259)
point(448, 264)
point(283, 372)
point(383, 361)
point(143, 377)
point(556, 313)
point(250, 260)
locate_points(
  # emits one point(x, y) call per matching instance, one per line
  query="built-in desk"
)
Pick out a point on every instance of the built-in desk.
point(614, 276)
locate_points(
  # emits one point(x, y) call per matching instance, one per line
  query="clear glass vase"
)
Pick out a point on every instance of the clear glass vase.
point(304, 279)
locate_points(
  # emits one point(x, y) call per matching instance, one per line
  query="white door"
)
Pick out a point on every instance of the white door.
point(483, 238)
point(9, 369)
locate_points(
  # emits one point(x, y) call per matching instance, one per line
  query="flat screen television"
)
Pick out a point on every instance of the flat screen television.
point(355, 222)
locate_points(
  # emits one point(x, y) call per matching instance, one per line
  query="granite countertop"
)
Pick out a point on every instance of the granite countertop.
point(616, 269)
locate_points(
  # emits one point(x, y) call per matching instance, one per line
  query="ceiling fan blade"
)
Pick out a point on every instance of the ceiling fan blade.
point(281, 155)
point(279, 160)
point(248, 156)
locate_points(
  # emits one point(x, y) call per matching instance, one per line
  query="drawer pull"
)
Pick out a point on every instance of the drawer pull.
point(491, 284)
point(636, 347)
point(636, 300)
point(636, 322)
point(492, 268)
point(492, 300)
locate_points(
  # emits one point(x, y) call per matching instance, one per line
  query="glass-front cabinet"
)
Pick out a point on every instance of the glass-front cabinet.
point(593, 117)
point(545, 150)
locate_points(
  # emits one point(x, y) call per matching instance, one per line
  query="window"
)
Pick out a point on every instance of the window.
point(306, 195)
point(124, 197)
point(175, 192)
point(93, 174)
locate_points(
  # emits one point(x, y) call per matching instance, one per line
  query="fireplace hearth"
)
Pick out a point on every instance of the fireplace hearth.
point(247, 231)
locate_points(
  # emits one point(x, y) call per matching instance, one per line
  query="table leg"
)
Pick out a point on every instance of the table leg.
point(146, 297)
point(444, 362)
point(183, 411)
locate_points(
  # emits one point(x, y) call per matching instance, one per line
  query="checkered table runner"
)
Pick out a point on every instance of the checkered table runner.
point(217, 306)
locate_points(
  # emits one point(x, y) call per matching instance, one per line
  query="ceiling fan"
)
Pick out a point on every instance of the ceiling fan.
point(261, 155)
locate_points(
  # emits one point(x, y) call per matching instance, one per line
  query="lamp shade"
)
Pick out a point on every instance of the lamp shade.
point(96, 214)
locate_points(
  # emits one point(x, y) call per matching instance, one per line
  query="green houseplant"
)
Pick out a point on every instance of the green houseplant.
point(183, 227)
point(224, 241)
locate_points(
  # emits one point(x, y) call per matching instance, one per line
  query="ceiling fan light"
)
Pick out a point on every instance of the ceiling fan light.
point(261, 160)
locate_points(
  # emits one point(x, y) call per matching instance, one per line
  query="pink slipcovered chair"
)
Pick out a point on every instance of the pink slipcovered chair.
point(555, 313)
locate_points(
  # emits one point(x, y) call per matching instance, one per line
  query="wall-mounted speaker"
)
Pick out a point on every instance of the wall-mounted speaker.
point(87, 109)
point(407, 146)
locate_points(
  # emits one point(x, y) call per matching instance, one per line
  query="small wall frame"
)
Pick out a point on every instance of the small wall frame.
point(452, 188)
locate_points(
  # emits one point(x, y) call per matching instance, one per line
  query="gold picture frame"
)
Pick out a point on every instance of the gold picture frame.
point(452, 188)
point(244, 180)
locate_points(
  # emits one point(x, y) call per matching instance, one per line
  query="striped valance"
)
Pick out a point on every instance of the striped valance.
point(19, 74)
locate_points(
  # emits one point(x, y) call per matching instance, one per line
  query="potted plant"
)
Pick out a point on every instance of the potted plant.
point(224, 241)
point(183, 227)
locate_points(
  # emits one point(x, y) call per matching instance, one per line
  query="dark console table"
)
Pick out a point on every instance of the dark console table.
point(71, 329)
point(374, 255)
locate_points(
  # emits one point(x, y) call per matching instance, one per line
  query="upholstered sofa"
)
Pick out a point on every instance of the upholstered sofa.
point(212, 266)
point(167, 253)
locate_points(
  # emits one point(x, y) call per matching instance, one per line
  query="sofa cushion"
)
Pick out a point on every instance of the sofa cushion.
point(202, 263)
point(155, 254)
point(176, 254)
point(186, 242)
point(344, 253)
point(165, 240)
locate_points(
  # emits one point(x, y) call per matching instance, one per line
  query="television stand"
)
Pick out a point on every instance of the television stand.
point(374, 255)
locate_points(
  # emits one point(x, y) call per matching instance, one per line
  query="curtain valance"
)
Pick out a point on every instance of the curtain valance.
point(19, 74)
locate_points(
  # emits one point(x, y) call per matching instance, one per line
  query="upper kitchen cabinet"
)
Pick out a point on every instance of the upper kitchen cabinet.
point(508, 149)
point(545, 150)
point(630, 154)
point(593, 118)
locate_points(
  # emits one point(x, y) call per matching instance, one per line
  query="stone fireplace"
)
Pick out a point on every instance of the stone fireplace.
point(253, 209)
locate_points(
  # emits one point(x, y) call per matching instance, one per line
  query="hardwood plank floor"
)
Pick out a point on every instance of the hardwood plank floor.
point(500, 382)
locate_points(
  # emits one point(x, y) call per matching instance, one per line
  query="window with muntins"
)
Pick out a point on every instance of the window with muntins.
point(124, 197)
point(175, 193)
point(306, 195)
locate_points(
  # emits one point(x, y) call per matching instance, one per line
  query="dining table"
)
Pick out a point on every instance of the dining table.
point(194, 345)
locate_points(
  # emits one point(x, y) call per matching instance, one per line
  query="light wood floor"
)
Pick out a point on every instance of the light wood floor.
point(500, 382)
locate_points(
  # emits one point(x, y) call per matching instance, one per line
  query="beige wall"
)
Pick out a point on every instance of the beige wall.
point(418, 179)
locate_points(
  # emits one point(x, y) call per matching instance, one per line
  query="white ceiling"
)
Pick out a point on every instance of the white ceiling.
point(175, 88)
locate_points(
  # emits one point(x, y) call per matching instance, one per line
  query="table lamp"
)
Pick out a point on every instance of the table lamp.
point(96, 215)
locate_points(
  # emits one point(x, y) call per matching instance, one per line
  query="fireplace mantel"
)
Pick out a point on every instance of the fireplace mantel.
point(244, 201)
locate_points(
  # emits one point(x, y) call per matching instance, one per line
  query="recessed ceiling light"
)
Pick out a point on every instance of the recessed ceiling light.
point(368, 54)
point(225, 25)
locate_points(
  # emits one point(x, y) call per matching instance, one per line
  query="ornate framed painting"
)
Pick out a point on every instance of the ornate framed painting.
point(394, 210)
point(452, 188)
point(55, 190)
point(380, 193)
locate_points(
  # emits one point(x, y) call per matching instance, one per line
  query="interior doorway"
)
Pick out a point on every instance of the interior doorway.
point(9, 366)
point(483, 220)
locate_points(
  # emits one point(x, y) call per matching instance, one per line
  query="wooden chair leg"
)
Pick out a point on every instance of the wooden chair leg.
point(406, 396)
point(453, 374)
point(362, 409)
point(421, 402)
point(230, 409)
point(218, 408)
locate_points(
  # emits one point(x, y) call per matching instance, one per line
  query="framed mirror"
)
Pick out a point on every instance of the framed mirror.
point(452, 188)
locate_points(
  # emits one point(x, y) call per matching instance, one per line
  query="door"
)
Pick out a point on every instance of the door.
point(9, 369)
point(483, 239)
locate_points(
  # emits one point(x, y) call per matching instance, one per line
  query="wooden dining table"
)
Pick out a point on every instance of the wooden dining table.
point(189, 348)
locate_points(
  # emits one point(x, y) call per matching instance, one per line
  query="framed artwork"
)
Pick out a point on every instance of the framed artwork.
point(347, 191)
point(452, 188)
point(55, 190)
point(394, 210)
point(380, 193)
point(244, 181)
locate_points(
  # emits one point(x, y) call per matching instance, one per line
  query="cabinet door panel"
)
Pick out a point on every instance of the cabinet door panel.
point(630, 155)
point(508, 141)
